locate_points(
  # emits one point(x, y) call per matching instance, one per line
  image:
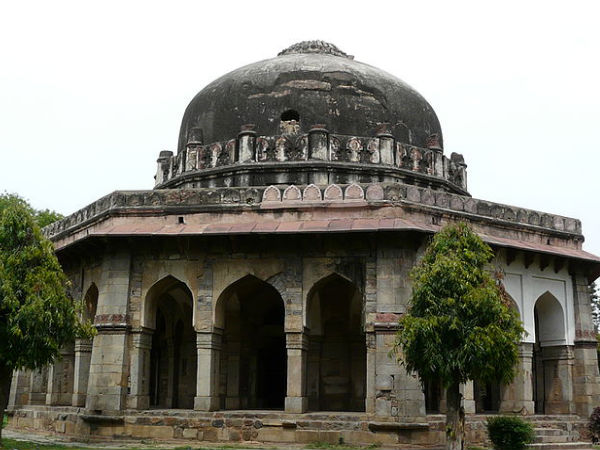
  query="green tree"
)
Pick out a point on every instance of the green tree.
point(37, 317)
point(43, 217)
point(459, 325)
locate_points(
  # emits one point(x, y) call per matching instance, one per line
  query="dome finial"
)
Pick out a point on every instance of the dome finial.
point(321, 47)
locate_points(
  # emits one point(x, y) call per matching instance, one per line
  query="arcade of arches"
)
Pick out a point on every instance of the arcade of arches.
point(542, 380)
point(250, 358)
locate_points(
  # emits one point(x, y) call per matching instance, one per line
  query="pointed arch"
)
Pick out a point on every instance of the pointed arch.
point(253, 361)
point(248, 284)
point(337, 345)
point(550, 320)
point(169, 285)
point(168, 311)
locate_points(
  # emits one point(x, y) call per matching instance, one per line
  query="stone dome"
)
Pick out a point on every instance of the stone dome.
point(311, 115)
point(315, 83)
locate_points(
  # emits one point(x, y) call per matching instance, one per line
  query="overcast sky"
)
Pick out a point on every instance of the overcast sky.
point(90, 92)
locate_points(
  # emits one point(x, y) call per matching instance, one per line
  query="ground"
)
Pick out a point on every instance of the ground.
point(17, 440)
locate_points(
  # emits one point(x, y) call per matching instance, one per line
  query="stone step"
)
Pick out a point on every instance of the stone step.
point(556, 439)
point(550, 432)
point(561, 446)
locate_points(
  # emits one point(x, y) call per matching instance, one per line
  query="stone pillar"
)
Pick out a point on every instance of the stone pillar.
point(558, 379)
point(83, 357)
point(107, 385)
point(232, 399)
point(586, 379)
point(38, 386)
point(208, 345)
point(371, 366)
point(517, 397)
point(19, 389)
point(139, 369)
point(386, 144)
point(163, 171)
point(586, 382)
point(398, 394)
point(246, 144)
point(313, 372)
point(60, 379)
point(296, 400)
point(468, 397)
point(318, 143)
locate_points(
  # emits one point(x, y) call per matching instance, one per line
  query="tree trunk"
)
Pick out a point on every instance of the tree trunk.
point(455, 418)
point(5, 379)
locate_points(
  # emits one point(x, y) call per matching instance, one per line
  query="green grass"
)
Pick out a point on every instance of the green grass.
point(26, 445)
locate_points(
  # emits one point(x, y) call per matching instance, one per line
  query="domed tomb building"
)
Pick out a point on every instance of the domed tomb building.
point(254, 293)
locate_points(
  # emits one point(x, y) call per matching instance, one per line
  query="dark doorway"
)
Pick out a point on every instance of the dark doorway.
point(337, 347)
point(173, 354)
point(254, 356)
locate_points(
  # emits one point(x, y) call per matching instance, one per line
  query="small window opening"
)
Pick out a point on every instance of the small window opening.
point(180, 220)
point(290, 114)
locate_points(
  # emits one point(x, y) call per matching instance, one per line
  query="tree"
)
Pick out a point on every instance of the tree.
point(37, 317)
point(42, 217)
point(459, 325)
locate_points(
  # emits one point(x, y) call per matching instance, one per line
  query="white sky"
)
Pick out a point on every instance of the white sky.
point(90, 92)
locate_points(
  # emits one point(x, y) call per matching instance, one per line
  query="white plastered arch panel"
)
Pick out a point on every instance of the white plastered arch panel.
point(527, 285)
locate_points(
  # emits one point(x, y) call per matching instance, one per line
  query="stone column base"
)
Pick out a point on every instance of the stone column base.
point(56, 398)
point(206, 403)
point(524, 407)
point(37, 398)
point(78, 400)
point(370, 405)
point(296, 404)
point(138, 401)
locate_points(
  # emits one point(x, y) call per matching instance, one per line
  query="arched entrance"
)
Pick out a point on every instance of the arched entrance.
point(173, 353)
point(253, 357)
point(549, 344)
point(487, 397)
point(337, 350)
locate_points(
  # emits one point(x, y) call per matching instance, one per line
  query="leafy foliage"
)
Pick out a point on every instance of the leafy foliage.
point(459, 325)
point(42, 217)
point(36, 315)
point(45, 217)
point(510, 433)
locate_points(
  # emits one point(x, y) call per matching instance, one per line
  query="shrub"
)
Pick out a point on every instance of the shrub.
point(509, 433)
point(594, 425)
